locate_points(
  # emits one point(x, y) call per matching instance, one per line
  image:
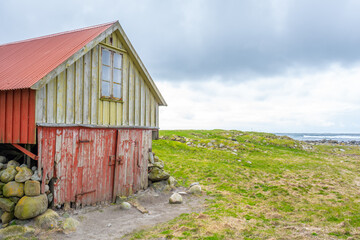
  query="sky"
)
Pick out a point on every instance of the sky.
point(265, 65)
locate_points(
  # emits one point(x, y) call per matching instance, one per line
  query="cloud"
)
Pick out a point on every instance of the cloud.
point(326, 101)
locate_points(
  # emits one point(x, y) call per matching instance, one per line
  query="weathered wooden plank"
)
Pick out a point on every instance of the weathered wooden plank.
point(3, 114)
point(142, 103)
point(148, 108)
point(157, 115)
point(16, 118)
point(9, 116)
point(113, 113)
point(137, 99)
point(106, 112)
point(79, 88)
point(94, 85)
point(119, 112)
point(24, 116)
point(41, 105)
point(32, 122)
point(152, 111)
point(61, 98)
point(87, 90)
point(51, 101)
point(132, 96)
point(125, 90)
point(70, 94)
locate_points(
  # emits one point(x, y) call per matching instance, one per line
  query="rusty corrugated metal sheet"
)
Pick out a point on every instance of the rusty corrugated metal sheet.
point(24, 63)
point(17, 116)
point(83, 162)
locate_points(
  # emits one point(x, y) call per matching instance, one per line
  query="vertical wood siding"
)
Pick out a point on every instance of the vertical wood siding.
point(17, 116)
point(73, 97)
point(79, 161)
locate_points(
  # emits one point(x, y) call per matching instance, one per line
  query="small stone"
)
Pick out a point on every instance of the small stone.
point(176, 198)
point(151, 158)
point(172, 181)
point(343, 150)
point(36, 176)
point(196, 189)
point(221, 145)
point(13, 163)
point(50, 198)
point(195, 183)
point(70, 224)
point(108, 225)
point(3, 159)
point(6, 217)
point(34, 168)
point(32, 188)
point(23, 174)
point(23, 165)
point(249, 162)
point(8, 174)
point(7, 205)
point(125, 205)
point(182, 193)
point(13, 189)
point(47, 188)
point(47, 220)
point(159, 164)
point(158, 174)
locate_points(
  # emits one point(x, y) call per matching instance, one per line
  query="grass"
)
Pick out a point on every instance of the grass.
point(261, 186)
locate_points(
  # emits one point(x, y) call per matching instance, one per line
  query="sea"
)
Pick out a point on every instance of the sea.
point(340, 137)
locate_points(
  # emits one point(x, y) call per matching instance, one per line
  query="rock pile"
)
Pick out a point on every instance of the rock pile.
point(159, 179)
point(20, 192)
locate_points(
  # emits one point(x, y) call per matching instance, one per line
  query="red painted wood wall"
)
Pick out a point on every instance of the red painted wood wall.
point(17, 116)
point(83, 162)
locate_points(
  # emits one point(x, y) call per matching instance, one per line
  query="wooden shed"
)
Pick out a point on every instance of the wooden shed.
point(82, 104)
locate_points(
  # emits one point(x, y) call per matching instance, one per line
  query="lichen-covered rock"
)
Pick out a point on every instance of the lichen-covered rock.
point(29, 207)
point(32, 188)
point(24, 174)
point(50, 197)
point(159, 164)
point(175, 199)
point(8, 174)
point(13, 163)
point(125, 206)
point(70, 224)
point(158, 174)
point(47, 220)
point(14, 199)
point(13, 189)
point(6, 217)
point(196, 189)
point(16, 231)
point(6, 205)
point(172, 181)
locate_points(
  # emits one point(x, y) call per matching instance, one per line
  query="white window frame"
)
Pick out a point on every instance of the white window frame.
point(111, 80)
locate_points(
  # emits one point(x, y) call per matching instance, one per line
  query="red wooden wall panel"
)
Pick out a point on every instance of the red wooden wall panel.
point(79, 159)
point(17, 116)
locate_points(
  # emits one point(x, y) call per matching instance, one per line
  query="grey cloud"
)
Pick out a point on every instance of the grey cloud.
point(198, 39)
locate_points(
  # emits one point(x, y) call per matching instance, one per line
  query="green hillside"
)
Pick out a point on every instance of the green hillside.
point(261, 186)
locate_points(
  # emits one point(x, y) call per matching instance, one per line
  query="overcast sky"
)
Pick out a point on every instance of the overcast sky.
point(265, 65)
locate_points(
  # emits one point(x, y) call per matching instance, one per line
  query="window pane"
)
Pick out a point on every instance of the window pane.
point(117, 76)
point(105, 57)
point(117, 90)
point(117, 60)
point(105, 89)
point(105, 73)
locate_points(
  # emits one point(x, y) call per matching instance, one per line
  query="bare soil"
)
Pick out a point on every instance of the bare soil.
point(111, 222)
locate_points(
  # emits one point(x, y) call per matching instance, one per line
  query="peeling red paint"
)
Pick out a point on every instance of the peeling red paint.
point(91, 165)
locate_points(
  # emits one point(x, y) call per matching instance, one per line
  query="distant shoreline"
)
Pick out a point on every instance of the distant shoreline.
point(333, 138)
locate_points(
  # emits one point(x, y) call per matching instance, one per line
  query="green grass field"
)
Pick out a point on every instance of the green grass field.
point(260, 186)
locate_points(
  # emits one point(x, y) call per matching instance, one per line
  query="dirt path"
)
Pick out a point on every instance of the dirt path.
point(111, 222)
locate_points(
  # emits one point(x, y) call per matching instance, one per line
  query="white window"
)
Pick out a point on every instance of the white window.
point(111, 72)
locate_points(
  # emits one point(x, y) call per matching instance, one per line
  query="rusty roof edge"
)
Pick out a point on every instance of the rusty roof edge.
point(158, 95)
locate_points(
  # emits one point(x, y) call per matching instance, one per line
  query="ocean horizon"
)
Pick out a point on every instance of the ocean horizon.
point(340, 137)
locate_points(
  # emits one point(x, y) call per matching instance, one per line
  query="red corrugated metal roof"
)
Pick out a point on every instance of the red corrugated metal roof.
point(24, 63)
